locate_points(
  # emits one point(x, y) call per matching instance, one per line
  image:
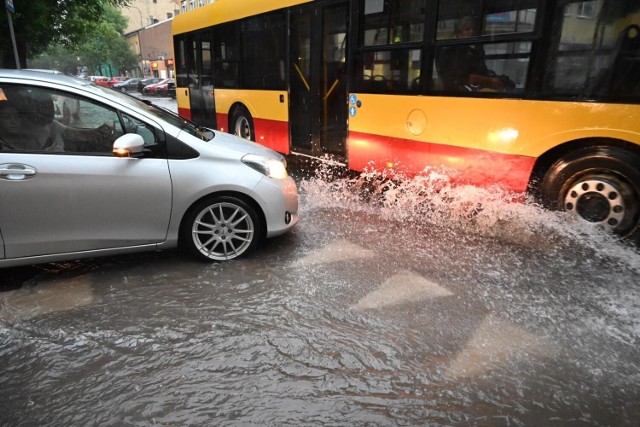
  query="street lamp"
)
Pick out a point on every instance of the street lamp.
point(140, 12)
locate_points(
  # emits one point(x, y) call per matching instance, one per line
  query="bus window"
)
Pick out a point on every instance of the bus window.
point(389, 57)
point(386, 23)
point(181, 61)
point(468, 61)
point(226, 56)
point(264, 52)
point(597, 52)
point(387, 71)
point(498, 17)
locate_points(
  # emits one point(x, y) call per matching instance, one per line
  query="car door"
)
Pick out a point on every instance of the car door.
point(70, 194)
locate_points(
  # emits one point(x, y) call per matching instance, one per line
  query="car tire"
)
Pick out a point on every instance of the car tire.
point(221, 228)
point(599, 184)
point(242, 124)
point(123, 89)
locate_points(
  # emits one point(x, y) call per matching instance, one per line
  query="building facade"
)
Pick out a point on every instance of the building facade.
point(143, 13)
point(149, 33)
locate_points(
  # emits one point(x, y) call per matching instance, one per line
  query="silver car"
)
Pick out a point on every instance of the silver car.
point(125, 176)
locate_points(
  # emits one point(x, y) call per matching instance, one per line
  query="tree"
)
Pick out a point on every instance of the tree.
point(107, 46)
point(39, 23)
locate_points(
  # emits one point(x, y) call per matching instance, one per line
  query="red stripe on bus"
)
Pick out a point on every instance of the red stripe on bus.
point(270, 133)
point(185, 112)
point(471, 166)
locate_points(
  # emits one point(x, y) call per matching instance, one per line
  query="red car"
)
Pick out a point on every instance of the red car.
point(163, 89)
point(151, 89)
point(114, 80)
point(99, 80)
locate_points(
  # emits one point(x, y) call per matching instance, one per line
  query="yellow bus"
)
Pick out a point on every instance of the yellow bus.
point(536, 96)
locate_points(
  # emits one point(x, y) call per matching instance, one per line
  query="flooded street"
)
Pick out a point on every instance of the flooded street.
point(389, 304)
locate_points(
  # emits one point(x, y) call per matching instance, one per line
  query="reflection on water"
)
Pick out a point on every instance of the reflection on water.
point(47, 297)
point(402, 288)
point(389, 304)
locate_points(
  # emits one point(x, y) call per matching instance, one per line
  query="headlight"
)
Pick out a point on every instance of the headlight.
point(273, 168)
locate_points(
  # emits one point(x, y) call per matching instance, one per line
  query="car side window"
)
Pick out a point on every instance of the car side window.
point(43, 120)
point(92, 128)
point(132, 125)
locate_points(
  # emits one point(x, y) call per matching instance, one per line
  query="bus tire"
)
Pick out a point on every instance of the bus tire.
point(598, 184)
point(242, 124)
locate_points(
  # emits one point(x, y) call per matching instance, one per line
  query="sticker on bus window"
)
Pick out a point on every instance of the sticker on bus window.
point(352, 99)
point(352, 111)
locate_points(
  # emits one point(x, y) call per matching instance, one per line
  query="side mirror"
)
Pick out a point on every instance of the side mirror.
point(129, 145)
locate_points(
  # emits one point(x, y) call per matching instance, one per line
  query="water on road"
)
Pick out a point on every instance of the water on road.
point(389, 304)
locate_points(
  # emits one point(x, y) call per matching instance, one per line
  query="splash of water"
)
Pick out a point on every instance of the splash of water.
point(433, 199)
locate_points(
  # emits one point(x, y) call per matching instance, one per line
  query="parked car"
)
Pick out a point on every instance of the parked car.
point(163, 89)
point(99, 80)
point(151, 89)
point(127, 85)
point(130, 177)
point(147, 81)
point(115, 80)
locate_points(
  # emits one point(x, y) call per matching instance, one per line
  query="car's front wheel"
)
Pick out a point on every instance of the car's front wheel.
point(221, 228)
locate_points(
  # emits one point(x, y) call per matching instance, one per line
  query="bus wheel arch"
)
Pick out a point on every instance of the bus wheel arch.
point(241, 122)
point(599, 182)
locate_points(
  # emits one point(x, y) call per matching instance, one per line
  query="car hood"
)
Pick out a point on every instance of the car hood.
point(232, 143)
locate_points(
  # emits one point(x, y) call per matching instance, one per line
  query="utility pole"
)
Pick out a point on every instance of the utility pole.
point(10, 10)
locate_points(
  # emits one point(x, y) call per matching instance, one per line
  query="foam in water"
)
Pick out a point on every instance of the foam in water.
point(432, 199)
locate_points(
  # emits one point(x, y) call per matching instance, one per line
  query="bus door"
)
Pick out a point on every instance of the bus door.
point(317, 80)
point(200, 80)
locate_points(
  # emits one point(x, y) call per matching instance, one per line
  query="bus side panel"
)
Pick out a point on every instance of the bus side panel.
point(269, 112)
point(273, 134)
point(270, 133)
point(488, 140)
point(465, 165)
point(182, 100)
point(222, 119)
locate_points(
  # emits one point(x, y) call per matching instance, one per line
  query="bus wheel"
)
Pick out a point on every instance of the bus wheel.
point(599, 184)
point(242, 124)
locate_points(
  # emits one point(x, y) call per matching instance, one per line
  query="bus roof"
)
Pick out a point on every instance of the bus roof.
point(222, 11)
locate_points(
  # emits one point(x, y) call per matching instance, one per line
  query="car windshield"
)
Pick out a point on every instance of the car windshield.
point(163, 114)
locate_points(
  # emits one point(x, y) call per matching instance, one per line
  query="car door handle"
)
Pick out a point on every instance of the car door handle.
point(15, 172)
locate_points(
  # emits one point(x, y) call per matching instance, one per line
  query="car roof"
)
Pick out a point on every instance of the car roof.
point(70, 82)
point(44, 77)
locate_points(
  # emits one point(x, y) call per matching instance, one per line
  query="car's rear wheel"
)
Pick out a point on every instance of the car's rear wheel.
point(221, 228)
point(600, 185)
point(242, 124)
